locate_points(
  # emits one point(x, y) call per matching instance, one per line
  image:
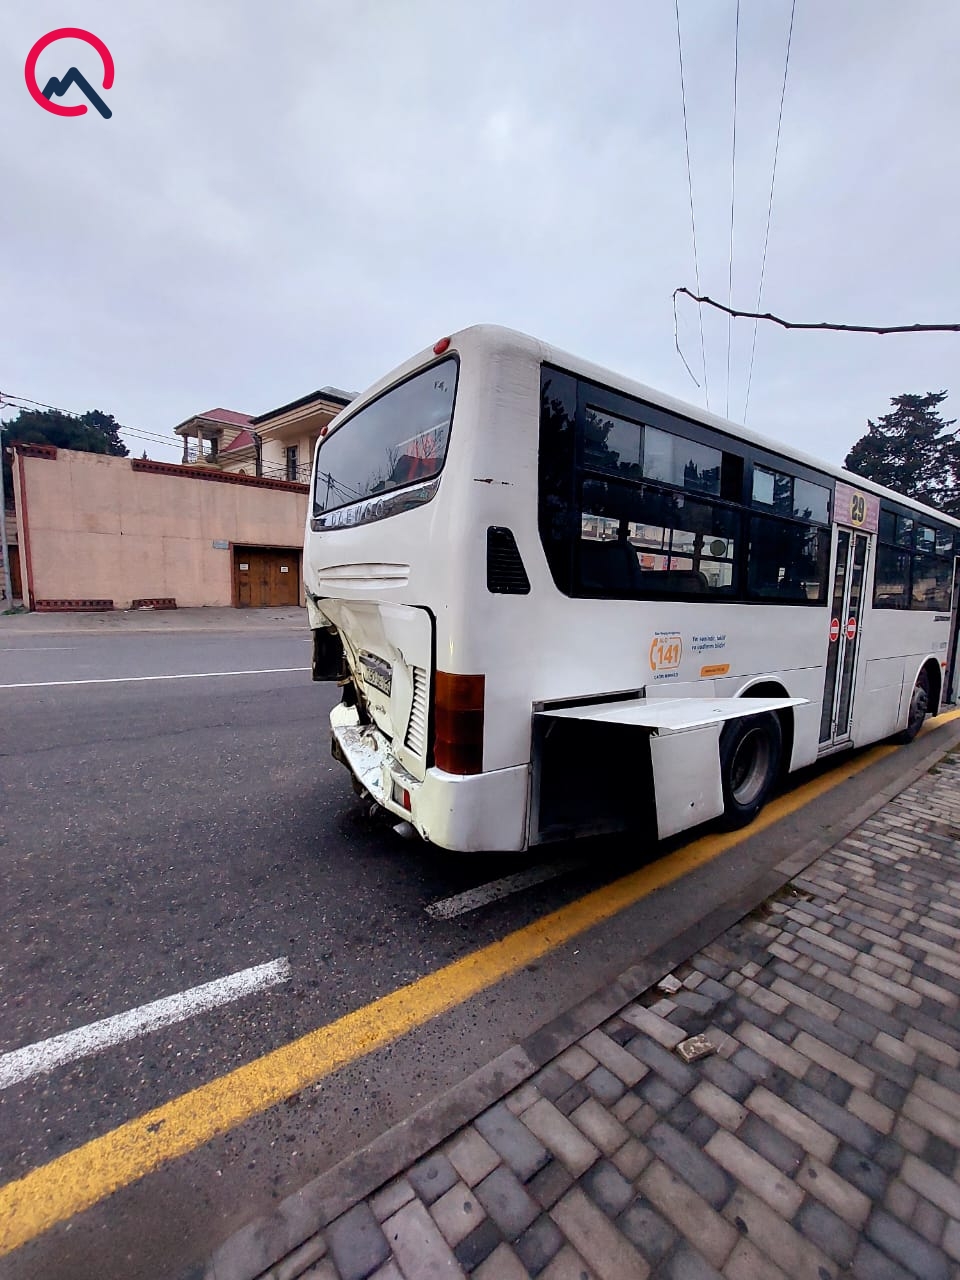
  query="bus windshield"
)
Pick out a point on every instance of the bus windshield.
point(399, 439)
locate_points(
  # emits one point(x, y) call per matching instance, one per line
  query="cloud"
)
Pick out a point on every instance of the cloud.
point(288, 197)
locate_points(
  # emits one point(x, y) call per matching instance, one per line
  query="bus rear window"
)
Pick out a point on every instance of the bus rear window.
point(398, 440)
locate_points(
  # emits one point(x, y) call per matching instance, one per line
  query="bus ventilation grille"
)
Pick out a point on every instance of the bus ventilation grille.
point(416, 739)
point(505, 572)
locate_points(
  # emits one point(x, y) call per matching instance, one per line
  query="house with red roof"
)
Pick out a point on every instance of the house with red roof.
point(278, 444)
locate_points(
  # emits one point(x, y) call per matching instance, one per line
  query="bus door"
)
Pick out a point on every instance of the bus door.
point(846, 612)
point(951, 684)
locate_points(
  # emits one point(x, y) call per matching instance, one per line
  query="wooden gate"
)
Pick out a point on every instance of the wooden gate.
point(266, 576)
point(16, 582)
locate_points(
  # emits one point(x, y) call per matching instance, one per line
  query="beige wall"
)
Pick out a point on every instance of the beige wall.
point(275, 452)
point(94, 527)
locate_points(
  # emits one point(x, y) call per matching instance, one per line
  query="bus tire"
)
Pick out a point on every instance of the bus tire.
point(919, 706)
point(750, 754)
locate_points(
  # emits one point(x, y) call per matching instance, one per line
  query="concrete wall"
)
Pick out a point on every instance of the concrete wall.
point(93, 527)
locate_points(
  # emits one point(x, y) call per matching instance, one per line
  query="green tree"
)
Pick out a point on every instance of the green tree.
point(91, 432)
point(913, 450)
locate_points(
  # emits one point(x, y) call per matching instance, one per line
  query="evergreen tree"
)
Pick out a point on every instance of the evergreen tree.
point(912, 450)
point(91, 432)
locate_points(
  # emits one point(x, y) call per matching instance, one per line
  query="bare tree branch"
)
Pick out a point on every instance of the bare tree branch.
point(794, 324)
point(676, 340)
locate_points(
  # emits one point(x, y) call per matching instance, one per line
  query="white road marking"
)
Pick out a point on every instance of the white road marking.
point(187, 675)
point(46, 1055)
point(39, 648)
point(461, 903)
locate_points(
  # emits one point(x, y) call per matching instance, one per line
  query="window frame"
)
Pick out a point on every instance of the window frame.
point(739, 458)
point(894, 539)
point(292, 460)
point(398, 498)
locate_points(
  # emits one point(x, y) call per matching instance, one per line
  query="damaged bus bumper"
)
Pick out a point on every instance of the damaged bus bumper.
point(484, 812)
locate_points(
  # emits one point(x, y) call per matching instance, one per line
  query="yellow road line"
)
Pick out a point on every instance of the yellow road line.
point(82, 1177)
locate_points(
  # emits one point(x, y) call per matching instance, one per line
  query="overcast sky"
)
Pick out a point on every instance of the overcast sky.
point(306, 193)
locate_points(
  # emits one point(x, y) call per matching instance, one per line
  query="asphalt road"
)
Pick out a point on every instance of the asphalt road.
point(158, 834)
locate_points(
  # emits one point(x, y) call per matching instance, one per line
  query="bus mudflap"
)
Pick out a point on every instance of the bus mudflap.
point(634, 764)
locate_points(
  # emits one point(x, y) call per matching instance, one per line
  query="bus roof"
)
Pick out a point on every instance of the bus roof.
point(490, 338)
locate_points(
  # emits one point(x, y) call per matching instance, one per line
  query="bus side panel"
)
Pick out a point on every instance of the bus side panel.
point(877, 710)
point(895, 645)
point(496, 433)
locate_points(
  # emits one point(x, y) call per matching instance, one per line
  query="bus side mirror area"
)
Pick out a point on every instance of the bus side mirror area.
point(329, 661)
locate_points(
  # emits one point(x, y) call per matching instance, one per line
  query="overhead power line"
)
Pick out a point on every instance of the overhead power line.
point(766, 234)
point(693, 222)
point(9, 397)
point(271, 470)
point(733, 195)
point(821, 324)
point(7, 401)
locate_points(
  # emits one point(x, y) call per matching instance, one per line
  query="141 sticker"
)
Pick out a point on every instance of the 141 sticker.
point(666, 650)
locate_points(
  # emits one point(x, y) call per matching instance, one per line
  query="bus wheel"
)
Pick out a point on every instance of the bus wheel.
point(750, 751)
point(919, 705)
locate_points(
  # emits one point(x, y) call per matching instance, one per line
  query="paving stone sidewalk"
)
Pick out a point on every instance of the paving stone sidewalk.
point(820, 1140)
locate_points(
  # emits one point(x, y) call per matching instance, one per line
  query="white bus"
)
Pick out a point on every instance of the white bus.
point(560, 603)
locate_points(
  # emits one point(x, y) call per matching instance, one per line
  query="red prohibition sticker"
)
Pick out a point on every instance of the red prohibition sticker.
point(834, 630)
point(851, 628)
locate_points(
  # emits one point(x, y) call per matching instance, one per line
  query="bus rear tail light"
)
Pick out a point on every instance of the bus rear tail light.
point(458, 719)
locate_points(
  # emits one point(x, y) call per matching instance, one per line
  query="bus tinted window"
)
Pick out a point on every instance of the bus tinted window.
point(398, 440)
point(612, 444)
point(655, 541)
point(787, 561)
point(926, 538)
point(914, 564)
point(931, 582)
point(790, 496)
point(631, 509)
point(811, 501)
point(891, 588)
point(681, 462)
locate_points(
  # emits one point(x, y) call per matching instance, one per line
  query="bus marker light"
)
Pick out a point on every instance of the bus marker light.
point(440, 347)
point(401, 796)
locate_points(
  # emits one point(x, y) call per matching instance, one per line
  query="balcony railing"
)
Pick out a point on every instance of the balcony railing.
point(280, 471)
point(194, 455)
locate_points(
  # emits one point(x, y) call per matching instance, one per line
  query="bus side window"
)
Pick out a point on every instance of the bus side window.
point(609, 566)
point(787, 560)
